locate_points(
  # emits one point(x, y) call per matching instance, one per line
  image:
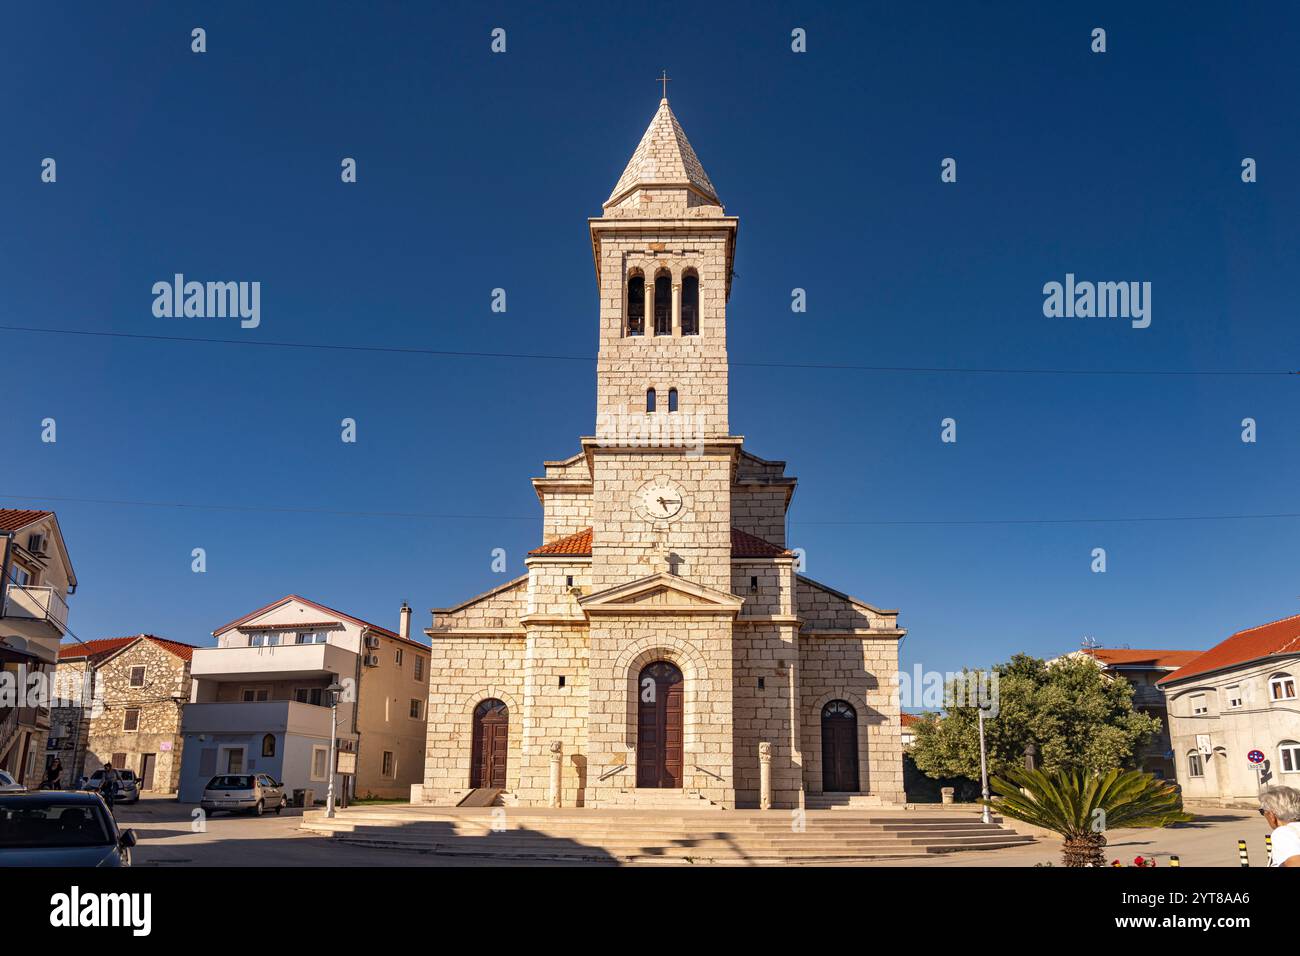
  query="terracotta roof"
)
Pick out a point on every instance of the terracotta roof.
point(1277, 637)
point(577, 544)
point(11, 519)
point(743, 545)
point(910, 720)
point(1121, 656)
point(102, 647)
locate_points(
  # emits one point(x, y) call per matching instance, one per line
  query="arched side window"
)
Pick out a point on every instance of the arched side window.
point(1281, 687)
point(1194, 766)
point(672, 399)
point(649, 399)
point(268, 745)
point(636, 304)
point(1288, 756)
point(663, 305)
point(691, 304)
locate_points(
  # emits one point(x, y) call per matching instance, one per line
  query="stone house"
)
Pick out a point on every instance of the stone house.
point(663, 648)
point(1238, 697)
point(36, 578)
point(131, 713)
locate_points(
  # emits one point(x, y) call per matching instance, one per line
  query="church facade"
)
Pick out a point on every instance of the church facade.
point(663, 648)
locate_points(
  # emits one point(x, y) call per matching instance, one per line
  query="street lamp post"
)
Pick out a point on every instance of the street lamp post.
point(333, 690)
point(984, 768)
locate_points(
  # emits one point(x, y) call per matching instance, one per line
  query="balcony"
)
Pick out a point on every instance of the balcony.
point(1145, 695)
point(41, 604)
point(264, 717)
point(276, 662)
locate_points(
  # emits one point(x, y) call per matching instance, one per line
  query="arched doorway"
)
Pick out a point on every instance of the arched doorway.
point(659, 726)
point(839, 747)
point(491, 739)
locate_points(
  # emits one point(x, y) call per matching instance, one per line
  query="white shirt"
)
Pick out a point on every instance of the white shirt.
point(1286, 843)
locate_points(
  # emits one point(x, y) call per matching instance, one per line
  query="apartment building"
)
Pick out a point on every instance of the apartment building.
point(260, 701)
point(1236, 701)
point(36, 578)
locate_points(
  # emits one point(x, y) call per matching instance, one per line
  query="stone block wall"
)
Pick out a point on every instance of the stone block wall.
point(700, 646)
point(555, 713)
point(465, 670)
point(863, 671)
point(767, 712)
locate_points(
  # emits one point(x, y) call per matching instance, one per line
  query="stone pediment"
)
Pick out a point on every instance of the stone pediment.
point(661, 593)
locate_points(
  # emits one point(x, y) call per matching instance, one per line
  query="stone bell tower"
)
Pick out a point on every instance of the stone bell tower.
point(663, 253)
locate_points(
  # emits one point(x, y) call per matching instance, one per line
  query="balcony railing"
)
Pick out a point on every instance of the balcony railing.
point(36, 604)
point(272, 662)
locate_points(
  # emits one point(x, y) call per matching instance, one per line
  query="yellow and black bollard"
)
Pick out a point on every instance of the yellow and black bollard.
point(1174, 861)
point(1242, 854)
point(1268, 844)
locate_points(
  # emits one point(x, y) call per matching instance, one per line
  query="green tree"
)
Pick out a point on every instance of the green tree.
point(1077, 717)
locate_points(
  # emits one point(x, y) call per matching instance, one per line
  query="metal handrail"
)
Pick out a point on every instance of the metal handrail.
point(54, 606)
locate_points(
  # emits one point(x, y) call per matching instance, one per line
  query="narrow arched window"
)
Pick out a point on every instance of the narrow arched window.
point(691, 304)
point(672, 399)
point(663, 305)
point(636, 305)
point(649, 399)
point(268, 745)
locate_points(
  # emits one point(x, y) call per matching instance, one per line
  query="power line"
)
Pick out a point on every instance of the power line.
point(547, 357)
point(435, 516)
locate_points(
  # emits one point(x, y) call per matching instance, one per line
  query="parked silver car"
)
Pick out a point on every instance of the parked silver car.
point(243, 791)
point(8, 784)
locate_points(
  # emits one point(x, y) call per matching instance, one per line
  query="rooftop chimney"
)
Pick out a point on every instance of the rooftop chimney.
point(405, 628)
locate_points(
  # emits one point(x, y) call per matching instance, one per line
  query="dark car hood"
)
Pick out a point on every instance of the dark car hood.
point(60, 856)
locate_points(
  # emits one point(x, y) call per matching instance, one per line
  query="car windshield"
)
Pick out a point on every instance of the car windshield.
point(231, 781)
point(52, 823)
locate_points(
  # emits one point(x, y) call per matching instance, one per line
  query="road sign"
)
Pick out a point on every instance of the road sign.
point(1255, 756)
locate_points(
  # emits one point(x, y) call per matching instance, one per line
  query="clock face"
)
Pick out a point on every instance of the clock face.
point(661, 500)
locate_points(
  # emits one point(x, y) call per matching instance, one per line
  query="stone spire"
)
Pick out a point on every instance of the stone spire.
point(663, 161)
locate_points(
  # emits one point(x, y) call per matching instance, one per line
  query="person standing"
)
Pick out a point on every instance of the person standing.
point(108, 787)
point(53, 775)
point(1280, 806)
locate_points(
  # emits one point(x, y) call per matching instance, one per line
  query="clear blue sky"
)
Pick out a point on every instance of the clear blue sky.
point(478, 171)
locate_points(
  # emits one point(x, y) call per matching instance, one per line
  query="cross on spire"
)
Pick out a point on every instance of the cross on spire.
point(665, 79)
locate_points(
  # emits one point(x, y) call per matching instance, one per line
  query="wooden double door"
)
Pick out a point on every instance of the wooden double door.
point(659, 726)
point(490, 744)
point(839, 748)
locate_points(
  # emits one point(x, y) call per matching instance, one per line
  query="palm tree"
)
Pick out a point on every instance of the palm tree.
point(1081, 806)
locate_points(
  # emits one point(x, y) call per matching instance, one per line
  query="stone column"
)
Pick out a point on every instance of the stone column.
point(553, 794)
point(765, 776)
point(648, 327)
point(677, 309)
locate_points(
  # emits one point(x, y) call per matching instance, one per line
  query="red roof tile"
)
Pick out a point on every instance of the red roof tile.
point(1120, 656)
point(1278, 637)
point(11, 519)
point(102, 647)
point(743, 545)
point(910, 720)
point(577, 544)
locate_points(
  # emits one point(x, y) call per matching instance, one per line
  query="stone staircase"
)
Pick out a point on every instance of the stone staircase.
point(843, 801)
point(664, 836)
point(657, 800)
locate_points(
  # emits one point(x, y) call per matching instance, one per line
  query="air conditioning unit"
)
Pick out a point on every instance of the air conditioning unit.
point(371, 660)
point(372, 642)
